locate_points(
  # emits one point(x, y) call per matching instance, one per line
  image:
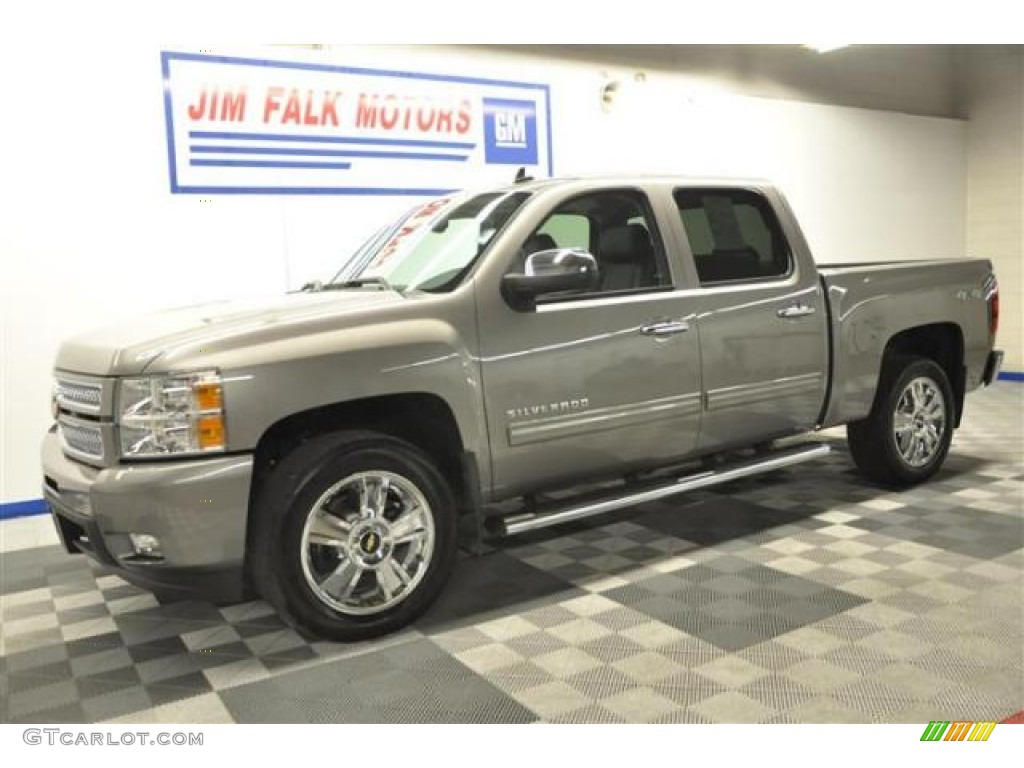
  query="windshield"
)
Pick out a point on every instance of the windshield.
point(434, 245)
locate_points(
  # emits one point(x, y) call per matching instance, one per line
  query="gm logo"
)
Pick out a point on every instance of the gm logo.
point(510, 132)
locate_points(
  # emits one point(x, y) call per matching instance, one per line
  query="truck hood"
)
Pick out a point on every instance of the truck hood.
point(130, 346)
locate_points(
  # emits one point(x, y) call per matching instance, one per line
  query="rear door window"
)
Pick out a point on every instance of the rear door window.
point(734, 235)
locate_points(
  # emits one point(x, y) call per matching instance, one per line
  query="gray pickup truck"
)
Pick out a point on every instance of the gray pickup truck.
point(489, 364)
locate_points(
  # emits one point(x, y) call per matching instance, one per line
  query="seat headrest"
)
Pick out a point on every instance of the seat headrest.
point(626, 244)
point(539, 242)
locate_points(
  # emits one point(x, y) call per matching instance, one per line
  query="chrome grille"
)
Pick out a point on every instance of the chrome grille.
point(84, 440)
point(84, 412)
point(79, 396)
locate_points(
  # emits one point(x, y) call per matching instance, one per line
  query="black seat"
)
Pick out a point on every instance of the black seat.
point(735, 264)
point(626, 258)
point(535, 243)
point(539, 241)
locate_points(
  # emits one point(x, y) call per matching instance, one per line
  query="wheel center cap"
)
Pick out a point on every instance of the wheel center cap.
point(370, 542)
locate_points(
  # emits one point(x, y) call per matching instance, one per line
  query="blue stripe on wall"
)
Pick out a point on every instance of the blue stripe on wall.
point(1011, 375)
point(23, 509)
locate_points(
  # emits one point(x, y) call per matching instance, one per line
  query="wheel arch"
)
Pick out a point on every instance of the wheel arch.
point(422, 419)
point(942, 343)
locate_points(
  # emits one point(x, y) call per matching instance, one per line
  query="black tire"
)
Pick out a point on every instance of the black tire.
point(873, 441)
point(288, 499)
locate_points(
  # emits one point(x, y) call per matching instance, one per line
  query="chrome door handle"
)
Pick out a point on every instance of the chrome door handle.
point(796, 310)
point(665, 328)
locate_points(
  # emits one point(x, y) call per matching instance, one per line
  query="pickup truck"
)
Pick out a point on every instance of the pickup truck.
point(488, 364)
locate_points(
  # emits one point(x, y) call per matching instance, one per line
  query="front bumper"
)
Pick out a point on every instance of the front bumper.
point(992, 367)
point(196, 508)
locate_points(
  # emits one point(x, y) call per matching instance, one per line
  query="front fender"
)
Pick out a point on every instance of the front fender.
point(266, 381)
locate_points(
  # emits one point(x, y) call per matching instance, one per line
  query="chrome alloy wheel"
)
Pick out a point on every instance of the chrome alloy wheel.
point(367, 543)
point(919, 422)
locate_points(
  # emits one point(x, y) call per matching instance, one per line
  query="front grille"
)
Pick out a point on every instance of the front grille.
point(85, 416)
point(82, 439)
point(79, 396)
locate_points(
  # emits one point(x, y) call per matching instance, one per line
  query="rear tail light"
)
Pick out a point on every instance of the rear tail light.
point(991, 289)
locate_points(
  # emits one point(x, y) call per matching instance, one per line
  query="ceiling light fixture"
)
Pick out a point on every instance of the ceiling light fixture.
point(825, 47)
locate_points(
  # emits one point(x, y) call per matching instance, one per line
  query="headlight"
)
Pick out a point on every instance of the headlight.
point(172, 414)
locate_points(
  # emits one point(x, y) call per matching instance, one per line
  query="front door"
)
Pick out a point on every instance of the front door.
point(587, 384)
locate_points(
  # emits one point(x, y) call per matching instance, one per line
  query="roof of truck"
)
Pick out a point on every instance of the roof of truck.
point(634, 178)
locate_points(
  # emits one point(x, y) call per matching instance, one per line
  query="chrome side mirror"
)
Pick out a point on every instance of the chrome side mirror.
point(559, 270)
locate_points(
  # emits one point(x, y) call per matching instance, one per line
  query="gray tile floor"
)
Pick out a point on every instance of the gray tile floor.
point(803, 596)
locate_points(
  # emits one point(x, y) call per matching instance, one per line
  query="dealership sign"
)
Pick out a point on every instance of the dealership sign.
point(243, 125)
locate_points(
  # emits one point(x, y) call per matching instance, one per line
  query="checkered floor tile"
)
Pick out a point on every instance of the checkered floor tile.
point(807, 595)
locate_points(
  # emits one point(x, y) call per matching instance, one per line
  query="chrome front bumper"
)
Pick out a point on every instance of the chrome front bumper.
point(196, 508)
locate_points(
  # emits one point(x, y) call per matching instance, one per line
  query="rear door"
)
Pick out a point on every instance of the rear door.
point(761, 316)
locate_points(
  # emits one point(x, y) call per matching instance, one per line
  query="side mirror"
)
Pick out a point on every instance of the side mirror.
point(559, 270)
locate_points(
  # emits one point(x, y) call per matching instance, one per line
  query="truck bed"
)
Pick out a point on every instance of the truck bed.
point(870, 303)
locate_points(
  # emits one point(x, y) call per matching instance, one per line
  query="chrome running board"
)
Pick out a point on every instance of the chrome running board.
point(520, 522)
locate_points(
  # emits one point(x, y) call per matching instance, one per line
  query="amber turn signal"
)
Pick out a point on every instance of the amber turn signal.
point(210, 432)
point(209, 396)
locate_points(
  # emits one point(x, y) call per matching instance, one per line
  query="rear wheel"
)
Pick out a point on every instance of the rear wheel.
point(356, 535)
point(906, 437)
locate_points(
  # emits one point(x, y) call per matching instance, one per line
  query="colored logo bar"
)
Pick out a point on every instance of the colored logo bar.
point(959, 730)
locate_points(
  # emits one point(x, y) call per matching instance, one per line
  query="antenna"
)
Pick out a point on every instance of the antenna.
point(521, 176)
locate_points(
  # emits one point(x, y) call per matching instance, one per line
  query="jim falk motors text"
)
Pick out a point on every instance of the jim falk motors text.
point(330, 108)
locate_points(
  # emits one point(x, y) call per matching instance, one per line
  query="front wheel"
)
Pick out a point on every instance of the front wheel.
point(356, 536)
point(905, 438)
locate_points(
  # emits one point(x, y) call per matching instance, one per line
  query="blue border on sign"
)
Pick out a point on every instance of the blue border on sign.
point(166, 57)
point(165, 68)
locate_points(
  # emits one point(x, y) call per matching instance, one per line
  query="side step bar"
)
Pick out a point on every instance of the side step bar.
point(786, 457)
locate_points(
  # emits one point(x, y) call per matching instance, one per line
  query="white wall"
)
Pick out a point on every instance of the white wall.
point(914, 79)
point(995, 185)
point(91, 234)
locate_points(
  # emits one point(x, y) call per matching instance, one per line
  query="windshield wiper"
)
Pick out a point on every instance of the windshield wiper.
point(359, 282)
